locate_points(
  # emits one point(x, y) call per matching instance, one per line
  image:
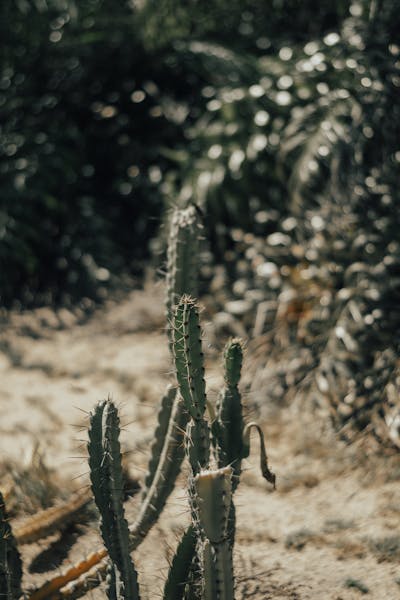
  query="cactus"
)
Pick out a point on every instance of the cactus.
point(189, 357)
point(231, 440)
point(107, 487)
point(10, 560)
point(202, 565)
point(88, 573)
point(229, 424)
point(165, 475)
point(182, 258)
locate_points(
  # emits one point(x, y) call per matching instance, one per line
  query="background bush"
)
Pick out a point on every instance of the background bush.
point(110, 109)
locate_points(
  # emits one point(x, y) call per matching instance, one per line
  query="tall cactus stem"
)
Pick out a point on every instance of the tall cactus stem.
point(182, 259)
point(189, 360)
point(214, 498)
point(107, 486)
point(167, 471)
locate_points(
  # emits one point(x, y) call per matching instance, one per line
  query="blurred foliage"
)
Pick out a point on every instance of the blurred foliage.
point(301, 141)
point(109, 108)
point(249, 25)
point(82, 119)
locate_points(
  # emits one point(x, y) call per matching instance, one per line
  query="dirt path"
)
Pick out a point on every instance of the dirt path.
point(330, 531)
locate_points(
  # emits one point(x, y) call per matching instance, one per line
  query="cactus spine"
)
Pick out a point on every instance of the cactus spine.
point(107, 486)
point(10, 560)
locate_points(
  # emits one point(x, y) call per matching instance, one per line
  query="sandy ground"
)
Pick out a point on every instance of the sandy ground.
point(329, 532)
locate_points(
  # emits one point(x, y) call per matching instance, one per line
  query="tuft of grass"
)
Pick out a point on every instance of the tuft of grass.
point(297, 540)
point(338, 524)
point(386, 548)
point(357, 584)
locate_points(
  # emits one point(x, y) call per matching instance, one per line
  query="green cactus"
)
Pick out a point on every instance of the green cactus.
point(10, 560)
point(202, 565)
point(230, 434)
point(168, 468)
point(229, 424)
point(231, 441)
point(107, 486)
point(189, 357)
point(189, 365)
point(214, 498)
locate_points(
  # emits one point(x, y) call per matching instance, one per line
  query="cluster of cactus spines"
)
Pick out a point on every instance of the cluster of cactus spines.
point(214, 498)
point(182, 259)
point(107, 486)
point(10, 560)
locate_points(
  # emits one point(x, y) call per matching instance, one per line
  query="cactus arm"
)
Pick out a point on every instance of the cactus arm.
point(167, 471)
point(265, 470)
point(182, 258)
point(107, 486)
point(189, 357)
point(228, 429)
point(190, 375)
point(10, 560)
point(233, 360)
point(180, 567)
point(163, 419)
